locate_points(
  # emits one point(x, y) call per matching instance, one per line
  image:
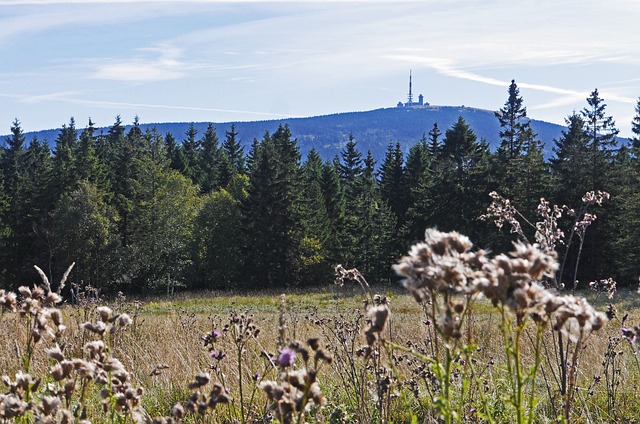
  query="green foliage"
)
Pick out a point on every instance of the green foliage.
point(269, 219)
point(217, 237)
point(84, 232)
point(271, 224)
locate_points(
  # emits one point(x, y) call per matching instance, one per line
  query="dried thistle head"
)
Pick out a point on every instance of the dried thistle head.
point(444, 263)
point(8, 301)
point(577, 318)
point(608, 286)
point(201, 379)
point(105, 313)
point(502, 212)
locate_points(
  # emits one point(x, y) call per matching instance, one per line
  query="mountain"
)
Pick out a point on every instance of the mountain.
point(373, 130)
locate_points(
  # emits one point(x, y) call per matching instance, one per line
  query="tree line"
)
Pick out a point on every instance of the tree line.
point(139, 210)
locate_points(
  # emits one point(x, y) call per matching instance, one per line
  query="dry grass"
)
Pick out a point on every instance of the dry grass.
point(169, 332)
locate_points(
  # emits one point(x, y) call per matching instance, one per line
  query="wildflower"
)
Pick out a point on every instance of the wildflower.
point(609, 286)
point(52, 299)
point(313, 343)
point(158, 368)
point(632, 335)
point(378, 318)
point(124, 320)
point(24, 291)
point(577, 317)
point(8, 301)
point(201, 380)
point(61, 370)
point(50, 405)
point(55, 353)
point(178, 411)
point(105, 313)
point(99, 327)
point(85, 369)
point(316, 395)
point(218, 395)
point(322, 355)
point(287, 357)
point(595, 197)
point(217, 354)
point(443, 263)
point(12, 406)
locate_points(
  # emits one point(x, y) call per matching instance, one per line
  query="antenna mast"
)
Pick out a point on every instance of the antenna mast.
point(410, 97)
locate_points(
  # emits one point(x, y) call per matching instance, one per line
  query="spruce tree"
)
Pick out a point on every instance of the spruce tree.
point(513, 122)
point(335, 205)
point(571, 163)
point(232, 147)
point(635, 129)
point(393, 182)
point(210, 161)
point(350, 167)
point(372, 227)
point(315, 220)
point(518, 169)
point(175, 154)
point(602, 133)
point(192, 150)
point(271, 222)
point(434, 141)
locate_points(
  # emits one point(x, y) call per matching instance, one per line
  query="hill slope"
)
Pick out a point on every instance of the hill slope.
point(373, 130)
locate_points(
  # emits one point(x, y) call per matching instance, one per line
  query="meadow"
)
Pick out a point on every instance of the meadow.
point(339, 353)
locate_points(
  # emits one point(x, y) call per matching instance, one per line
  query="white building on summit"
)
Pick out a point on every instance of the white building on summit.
point(410, 102)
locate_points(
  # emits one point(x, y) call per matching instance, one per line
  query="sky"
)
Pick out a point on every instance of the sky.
point(222, 61)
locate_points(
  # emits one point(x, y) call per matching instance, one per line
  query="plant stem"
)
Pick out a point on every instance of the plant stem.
point(534, 372)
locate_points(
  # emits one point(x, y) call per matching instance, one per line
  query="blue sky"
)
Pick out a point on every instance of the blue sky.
point(218, 61)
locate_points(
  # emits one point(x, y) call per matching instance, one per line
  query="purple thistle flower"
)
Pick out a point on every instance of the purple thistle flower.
point(630, 335)
point(215, 354)
point(287, 357)
point(216, 335)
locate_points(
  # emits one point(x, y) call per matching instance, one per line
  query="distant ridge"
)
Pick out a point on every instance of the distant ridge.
point(373, 130)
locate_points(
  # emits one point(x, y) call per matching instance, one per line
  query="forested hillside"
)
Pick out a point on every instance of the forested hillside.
point(373, 129)
point(144, 210)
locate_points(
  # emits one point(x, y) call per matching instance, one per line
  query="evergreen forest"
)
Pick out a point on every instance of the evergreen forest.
point(141, 211)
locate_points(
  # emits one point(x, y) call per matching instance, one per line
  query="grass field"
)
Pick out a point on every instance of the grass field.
point(392, 379)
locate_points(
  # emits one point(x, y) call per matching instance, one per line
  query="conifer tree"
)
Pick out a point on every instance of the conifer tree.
point(192, 150)
point(434, 141)
point(372, 226)
point(175, 154)
point(571, 164)
point(635, 129)
point(419, 184)
point(458, 195)
point(87, 163)
point(335, 205)
point(12, 159)
point(24, 207)
point(518, 169)
point(210, 163)
point(602, 132)
point(232, 146)
point(417, 165)
point(513, 123)
point(393, 183)
point(271, 223)
point(350, 167)
point(315, 220)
